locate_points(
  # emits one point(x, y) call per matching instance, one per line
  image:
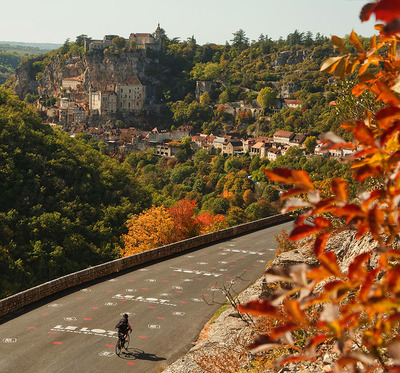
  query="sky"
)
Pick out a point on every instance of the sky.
point(209, 21)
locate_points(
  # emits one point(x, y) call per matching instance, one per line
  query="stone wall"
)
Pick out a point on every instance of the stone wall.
point(32, 295)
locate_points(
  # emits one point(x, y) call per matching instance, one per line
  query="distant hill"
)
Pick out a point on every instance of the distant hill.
point(42, 46)
point(13, 52)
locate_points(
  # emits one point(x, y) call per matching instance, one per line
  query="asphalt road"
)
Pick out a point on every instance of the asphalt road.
point(168, 302)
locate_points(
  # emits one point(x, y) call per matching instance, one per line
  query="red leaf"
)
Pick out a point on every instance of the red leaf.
point(293, 309)
point(260, 308)
point(389, 133)
point(339, 188)
point(329, 261)
point(361, 173)
point(294, 192)
point(316, 340)
point(366, 286)
point(366, 11)
point(321, 222)
point(356, 270)
point(386, 10)
point(393, 280)
point(262, 343)
point(303, 231)
point(386, 94)
point(386, 115)
point(291, 177)
point(376, 221)
point(392, 28)
point(320, 243)
point(323, 206)
point(349, 212)
point(279, 330)
point(364, 135)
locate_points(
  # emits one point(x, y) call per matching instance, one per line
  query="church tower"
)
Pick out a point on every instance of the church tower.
point(157, 36)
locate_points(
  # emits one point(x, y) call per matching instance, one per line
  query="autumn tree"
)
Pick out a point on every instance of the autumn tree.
point(357, 309)
point(183, 216)
point(209, 222)
point(148, 230)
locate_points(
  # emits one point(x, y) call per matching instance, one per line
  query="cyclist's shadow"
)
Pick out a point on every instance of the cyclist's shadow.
point(133, 353)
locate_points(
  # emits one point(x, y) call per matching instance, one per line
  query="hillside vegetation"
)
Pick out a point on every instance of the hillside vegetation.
point(11, 55)
point(63, 202)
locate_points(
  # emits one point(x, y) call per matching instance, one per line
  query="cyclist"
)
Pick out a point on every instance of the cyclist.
point(123, 327)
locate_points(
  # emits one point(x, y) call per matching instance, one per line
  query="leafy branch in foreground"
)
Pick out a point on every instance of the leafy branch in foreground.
point(357, 309)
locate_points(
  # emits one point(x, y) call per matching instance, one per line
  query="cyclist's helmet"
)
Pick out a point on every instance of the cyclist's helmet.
point(125, 315)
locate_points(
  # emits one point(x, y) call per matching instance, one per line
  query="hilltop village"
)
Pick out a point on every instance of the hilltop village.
point(108, 90)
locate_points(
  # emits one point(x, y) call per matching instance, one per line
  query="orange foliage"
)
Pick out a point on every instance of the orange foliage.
point(358, 307)
point(208, 222)
point(148, 230)
point(182, 214)
point(248, 197)
point(159, 226)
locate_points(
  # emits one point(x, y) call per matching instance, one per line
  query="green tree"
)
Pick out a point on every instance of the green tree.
point(205, 99)
point(224, 97)
point(119, 42)
point(240, 40)
point(310, 143)
point(267, 97)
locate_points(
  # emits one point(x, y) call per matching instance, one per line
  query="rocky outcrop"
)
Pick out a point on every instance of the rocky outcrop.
point(97, 69)
point(290, 57)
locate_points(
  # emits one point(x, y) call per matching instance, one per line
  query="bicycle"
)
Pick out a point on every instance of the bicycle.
point(123, 342)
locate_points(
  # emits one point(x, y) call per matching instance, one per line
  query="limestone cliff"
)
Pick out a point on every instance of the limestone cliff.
point(97, 69)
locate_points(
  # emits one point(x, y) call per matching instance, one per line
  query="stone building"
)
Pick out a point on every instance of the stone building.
point(109, 102)
point(138, 41)
point(72, 83)
point(283, 137)
point(127, 96)
point(131, 94)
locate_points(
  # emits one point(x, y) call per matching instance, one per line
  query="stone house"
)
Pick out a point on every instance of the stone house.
point(72, 83)
point(273, 153)
point(297, 140)
point(233, 147)
point(259, 148)
point(292, 103)
point(219, 143)
point(165, 150)
point(283, 137)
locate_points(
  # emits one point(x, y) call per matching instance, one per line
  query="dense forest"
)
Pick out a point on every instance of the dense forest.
point(63, 202)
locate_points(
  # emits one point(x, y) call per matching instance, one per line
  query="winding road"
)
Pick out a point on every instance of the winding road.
point(168, 302)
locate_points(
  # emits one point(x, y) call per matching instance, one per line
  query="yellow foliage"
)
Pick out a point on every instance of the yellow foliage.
point(148, 230)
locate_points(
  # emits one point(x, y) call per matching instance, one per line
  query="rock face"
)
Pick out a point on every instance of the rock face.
point(230, 333)
point(96, 69)
point(290, 57)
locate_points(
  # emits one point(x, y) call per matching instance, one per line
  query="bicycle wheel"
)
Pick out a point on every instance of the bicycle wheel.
point(118, 347)
point(127, 339)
